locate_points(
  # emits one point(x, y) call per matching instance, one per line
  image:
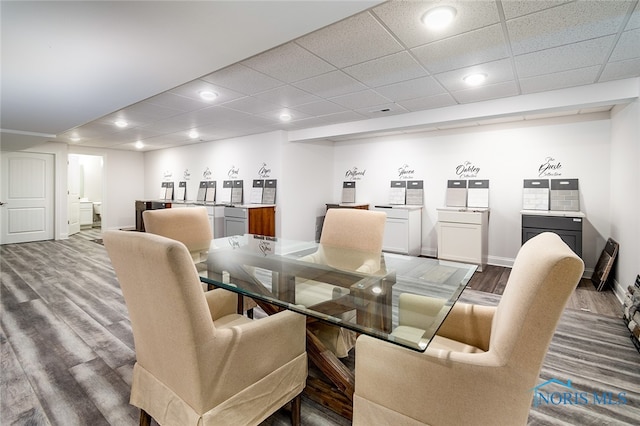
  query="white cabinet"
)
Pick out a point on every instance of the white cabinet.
point(215, 213)
point(259, 219)
point(403, 229)
point(235, 221)
point(86, 214)
point(463, 235)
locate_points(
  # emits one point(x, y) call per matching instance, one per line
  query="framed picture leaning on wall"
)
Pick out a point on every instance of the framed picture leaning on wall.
point(605, 264)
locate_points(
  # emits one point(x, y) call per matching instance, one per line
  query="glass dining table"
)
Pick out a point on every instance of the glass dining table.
point(397, 298)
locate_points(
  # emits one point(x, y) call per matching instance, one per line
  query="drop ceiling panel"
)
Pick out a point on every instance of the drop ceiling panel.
point(627, 47)
point(341, 117)
point(403, 19)
point(634, 20)
point(563, 58)
point(289, 63)
point(565, 24)
point(332, 84)
point(514, 9)
point(559, 80)
point(497, 72)
point(474, 47)
point(367, 40)
point(387, 70)
point(487, 92)
point(177, 102)
point(243, 79)
point(273, 117)
point(417, 88)
point(251, 105)
point(320, 108)
point(287, 96)
point(382, 110)
point(381, 59)
point(148, 112)
point(192, 90)
point(619, 70)
point(428, 102)
point(364, 99)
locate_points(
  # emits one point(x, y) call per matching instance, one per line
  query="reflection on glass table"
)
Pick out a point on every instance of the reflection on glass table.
point(398, 298)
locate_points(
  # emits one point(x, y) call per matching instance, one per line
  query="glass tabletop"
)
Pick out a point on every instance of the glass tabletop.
point(398, 298)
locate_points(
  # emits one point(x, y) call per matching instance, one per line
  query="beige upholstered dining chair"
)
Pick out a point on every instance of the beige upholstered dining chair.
point(357, 235)
point(484, 362)
point(197, 361)
point(189, 225)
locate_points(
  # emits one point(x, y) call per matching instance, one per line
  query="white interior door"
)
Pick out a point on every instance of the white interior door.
point(26, 192)
point(73, 184)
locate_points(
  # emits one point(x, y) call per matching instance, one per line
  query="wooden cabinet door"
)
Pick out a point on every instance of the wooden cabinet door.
point(262, 221)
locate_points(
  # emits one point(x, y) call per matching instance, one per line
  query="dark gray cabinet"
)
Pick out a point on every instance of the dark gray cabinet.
point(568, 227)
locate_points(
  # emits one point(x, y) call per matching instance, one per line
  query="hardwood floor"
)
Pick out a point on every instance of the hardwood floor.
point(585, 298)
point(67, 349)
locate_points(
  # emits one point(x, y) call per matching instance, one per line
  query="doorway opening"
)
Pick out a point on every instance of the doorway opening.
point(85, 189)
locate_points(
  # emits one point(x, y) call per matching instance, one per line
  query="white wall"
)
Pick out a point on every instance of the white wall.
point(238, 158)
point(306, 187)
point(92, 176)
point(624, 198)
point(598, 149)
point(122, 184)
point(506, 154)
point(303, 172)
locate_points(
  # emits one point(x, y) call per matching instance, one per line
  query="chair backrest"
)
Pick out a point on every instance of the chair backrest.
point(354, 228)
point(358, 236)
point(545, 273)
point(189, 225)
point(168, 310)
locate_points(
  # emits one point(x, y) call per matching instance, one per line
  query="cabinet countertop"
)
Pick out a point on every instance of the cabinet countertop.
point(559, 213)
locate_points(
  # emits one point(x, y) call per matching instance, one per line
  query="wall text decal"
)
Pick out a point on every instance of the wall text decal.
point(550, 167)
point(264, 172)
point(233, 172)
point(167, 174)
point(187, 174)
point(206, 175)
point(467, 170)
point(354, 174)
point(404, 172)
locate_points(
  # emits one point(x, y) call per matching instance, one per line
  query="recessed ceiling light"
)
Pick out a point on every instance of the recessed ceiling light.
point(208, 95)
point(193, 134)
point(139, 145)
point(285, 116)
point(475, 79)
point(75, 139)
point(438, 17)
point(121, 123)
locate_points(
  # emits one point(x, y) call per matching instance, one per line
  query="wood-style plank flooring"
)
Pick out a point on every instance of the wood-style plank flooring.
point(493, 279)
point(67, 349)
